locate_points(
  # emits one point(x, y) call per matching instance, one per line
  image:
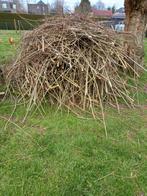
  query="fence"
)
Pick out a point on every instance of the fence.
point(11, 21)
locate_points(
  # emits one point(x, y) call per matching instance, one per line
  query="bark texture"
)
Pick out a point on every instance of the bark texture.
point(136, 19)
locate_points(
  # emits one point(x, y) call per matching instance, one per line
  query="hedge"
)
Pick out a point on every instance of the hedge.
point(11, 21)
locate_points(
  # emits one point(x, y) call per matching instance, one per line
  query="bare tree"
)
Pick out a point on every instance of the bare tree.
point(84, 7)
point(20, 6)
point(48, 5)
point(59, 7)
point(100, 5)
point(136, 19)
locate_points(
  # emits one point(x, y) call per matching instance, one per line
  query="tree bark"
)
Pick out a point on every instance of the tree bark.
point(136, 19)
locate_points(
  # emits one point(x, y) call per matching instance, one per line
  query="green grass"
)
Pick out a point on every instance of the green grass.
point(7, 51)
point(145, 45)
point(59, 154)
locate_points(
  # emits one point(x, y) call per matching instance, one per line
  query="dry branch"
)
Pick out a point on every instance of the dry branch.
point(73, 63)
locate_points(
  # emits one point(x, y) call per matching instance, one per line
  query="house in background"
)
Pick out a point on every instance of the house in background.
point(118, 19)
point(8, 6)
point(102, 13)
point(120, 10)
point(39, 8)
point(119, 16)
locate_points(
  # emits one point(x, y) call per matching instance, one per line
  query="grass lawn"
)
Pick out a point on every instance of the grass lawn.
point(145, 44)
point(6, 50)
point(58, 154)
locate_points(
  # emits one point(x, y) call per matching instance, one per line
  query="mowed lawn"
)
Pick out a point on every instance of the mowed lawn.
point(56, 153)
point(6, 49)
point(145, 44)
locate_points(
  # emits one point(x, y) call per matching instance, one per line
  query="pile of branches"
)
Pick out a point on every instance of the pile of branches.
point(73, 63)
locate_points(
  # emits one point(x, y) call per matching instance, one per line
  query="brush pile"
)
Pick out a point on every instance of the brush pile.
point(73, 63)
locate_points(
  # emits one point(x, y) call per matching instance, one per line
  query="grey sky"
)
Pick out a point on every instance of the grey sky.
point(72, 3)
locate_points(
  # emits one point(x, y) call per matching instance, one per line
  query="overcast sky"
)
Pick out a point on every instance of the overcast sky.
point(72, 3)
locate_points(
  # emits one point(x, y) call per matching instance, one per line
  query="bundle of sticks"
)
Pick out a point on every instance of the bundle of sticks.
point(74, 63)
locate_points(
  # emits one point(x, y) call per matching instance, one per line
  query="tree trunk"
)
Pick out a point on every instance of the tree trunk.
point(136, 19)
